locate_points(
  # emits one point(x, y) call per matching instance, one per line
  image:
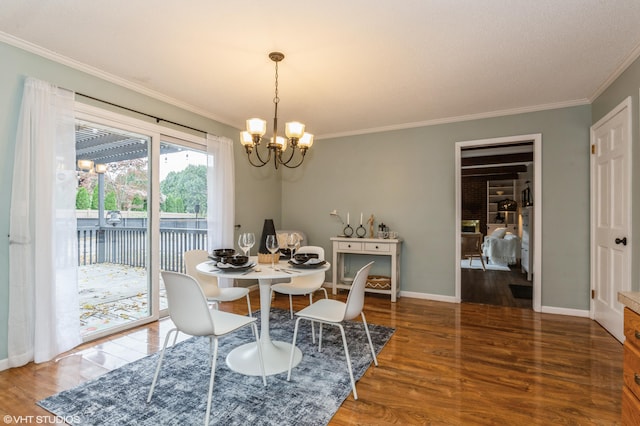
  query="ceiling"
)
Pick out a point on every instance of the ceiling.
point(351, 67)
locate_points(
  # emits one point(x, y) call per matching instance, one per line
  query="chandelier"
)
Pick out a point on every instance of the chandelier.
point(296, 136)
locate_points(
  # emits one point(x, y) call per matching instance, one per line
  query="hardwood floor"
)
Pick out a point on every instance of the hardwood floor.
point(492, 287)
point(447, 364)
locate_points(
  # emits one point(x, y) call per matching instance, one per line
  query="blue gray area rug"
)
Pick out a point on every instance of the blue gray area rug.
point(318, 386)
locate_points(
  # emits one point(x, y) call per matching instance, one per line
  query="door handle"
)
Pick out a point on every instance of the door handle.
point(622, 241)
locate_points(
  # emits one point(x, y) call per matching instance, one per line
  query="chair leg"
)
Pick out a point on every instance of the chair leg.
point(293, 348)
point(291, 306)
point(320, 339)
point(326, 295)
point(313, 327)
point(155, 376)
point(482, 261)
point(346, 353)
point(213, 374)
point(366, 328)
point(249, 305)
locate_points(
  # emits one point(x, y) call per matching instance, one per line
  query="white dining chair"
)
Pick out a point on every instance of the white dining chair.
point(209, 284)
point(335, 312)
point(301, 286)
point(190, 312)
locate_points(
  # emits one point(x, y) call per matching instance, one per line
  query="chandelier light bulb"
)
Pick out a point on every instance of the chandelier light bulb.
point(306, 141)
point(256, 126)
point(294, 130)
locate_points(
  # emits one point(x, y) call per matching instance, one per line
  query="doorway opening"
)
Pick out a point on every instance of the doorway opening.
point(497, 200)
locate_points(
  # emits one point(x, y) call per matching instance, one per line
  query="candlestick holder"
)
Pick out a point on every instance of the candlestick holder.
point(360, 231)
point(348, 231)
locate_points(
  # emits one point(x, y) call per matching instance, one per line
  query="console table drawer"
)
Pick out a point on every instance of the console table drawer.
point(388, 249)
point(350, 246)
point(377, 247)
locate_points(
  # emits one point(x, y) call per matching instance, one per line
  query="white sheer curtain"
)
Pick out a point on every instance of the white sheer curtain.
point(44, 316)
point(220, 196)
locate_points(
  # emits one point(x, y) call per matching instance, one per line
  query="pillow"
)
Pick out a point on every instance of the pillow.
point(499, 233)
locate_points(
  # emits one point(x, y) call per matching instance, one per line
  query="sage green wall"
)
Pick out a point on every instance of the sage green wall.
point(406, 178)
point(628, 84)
point(258, 191)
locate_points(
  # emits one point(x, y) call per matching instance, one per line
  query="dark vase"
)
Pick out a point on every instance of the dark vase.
point(268, 229)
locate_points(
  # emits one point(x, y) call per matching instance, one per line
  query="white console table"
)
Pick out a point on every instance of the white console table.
point(366, 246)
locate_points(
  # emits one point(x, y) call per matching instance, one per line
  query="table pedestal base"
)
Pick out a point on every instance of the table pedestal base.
point(244, 359)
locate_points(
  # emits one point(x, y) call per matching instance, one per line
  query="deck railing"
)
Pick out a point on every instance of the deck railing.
point(129, 245)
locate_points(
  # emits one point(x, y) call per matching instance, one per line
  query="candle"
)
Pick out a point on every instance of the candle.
point(347, 218)
point(360, 218)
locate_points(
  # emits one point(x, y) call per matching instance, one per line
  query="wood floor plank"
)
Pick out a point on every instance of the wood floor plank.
point(446, 364)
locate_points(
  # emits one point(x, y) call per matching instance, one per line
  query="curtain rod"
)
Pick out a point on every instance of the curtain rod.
point(158, 119)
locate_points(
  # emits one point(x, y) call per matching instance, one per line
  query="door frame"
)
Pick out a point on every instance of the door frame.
point(627, 104)
point(536, 138)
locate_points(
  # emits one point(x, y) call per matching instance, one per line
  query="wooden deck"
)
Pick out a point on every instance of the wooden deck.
point(111, 295)
point(447, 364)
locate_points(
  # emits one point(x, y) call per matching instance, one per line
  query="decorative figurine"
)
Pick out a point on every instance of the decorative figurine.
point(370, 222)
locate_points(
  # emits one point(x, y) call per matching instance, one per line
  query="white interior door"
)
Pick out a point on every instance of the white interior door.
point(611, 216)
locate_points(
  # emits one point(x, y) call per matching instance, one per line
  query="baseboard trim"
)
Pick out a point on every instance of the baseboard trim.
point(565, 311)
point(429, 296)
point(4, 364)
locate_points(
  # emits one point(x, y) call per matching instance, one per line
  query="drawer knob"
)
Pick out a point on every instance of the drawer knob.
point(637, 334)
point(377, 247)
point(349, 245)
point(636, 378)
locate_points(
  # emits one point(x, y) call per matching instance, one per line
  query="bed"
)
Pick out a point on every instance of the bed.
point(501, 247)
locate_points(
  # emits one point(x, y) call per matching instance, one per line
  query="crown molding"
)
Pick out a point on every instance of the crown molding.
point(469, 117)
point(79, 66)
point(635, 54)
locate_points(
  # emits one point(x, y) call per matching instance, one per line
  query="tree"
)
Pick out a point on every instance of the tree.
point(127, 179)
point(95, 198)
point(137, 203)
point(82, 199)
point(179, 206)
point(110, 201)
point(187, 188)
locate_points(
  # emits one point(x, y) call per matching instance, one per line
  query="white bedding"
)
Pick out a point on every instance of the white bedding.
point(501, 251)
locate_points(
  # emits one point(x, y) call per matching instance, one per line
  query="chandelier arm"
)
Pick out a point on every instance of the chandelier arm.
point(263, 162)
point(274, 148)
point(293, 151)
point(254, 164)
point(302, 153)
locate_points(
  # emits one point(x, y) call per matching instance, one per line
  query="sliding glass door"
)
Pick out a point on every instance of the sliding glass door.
point(183, 201)
point(141, 202)
point(112, 206)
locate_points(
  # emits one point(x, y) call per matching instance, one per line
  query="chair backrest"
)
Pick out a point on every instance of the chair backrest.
point(303, 236)
point(471, 243)
point(188, 306)
point(355, 299)
point(312, 249)
point(208, 283)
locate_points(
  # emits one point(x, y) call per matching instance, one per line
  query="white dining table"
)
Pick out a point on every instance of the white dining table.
point(244, 359)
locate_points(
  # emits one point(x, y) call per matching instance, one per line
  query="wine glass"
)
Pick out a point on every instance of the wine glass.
point(250, 240)
point(242, 243)
point(273, 247)
point(293, 239)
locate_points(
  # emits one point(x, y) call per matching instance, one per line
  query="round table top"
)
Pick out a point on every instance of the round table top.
point(261, 270)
